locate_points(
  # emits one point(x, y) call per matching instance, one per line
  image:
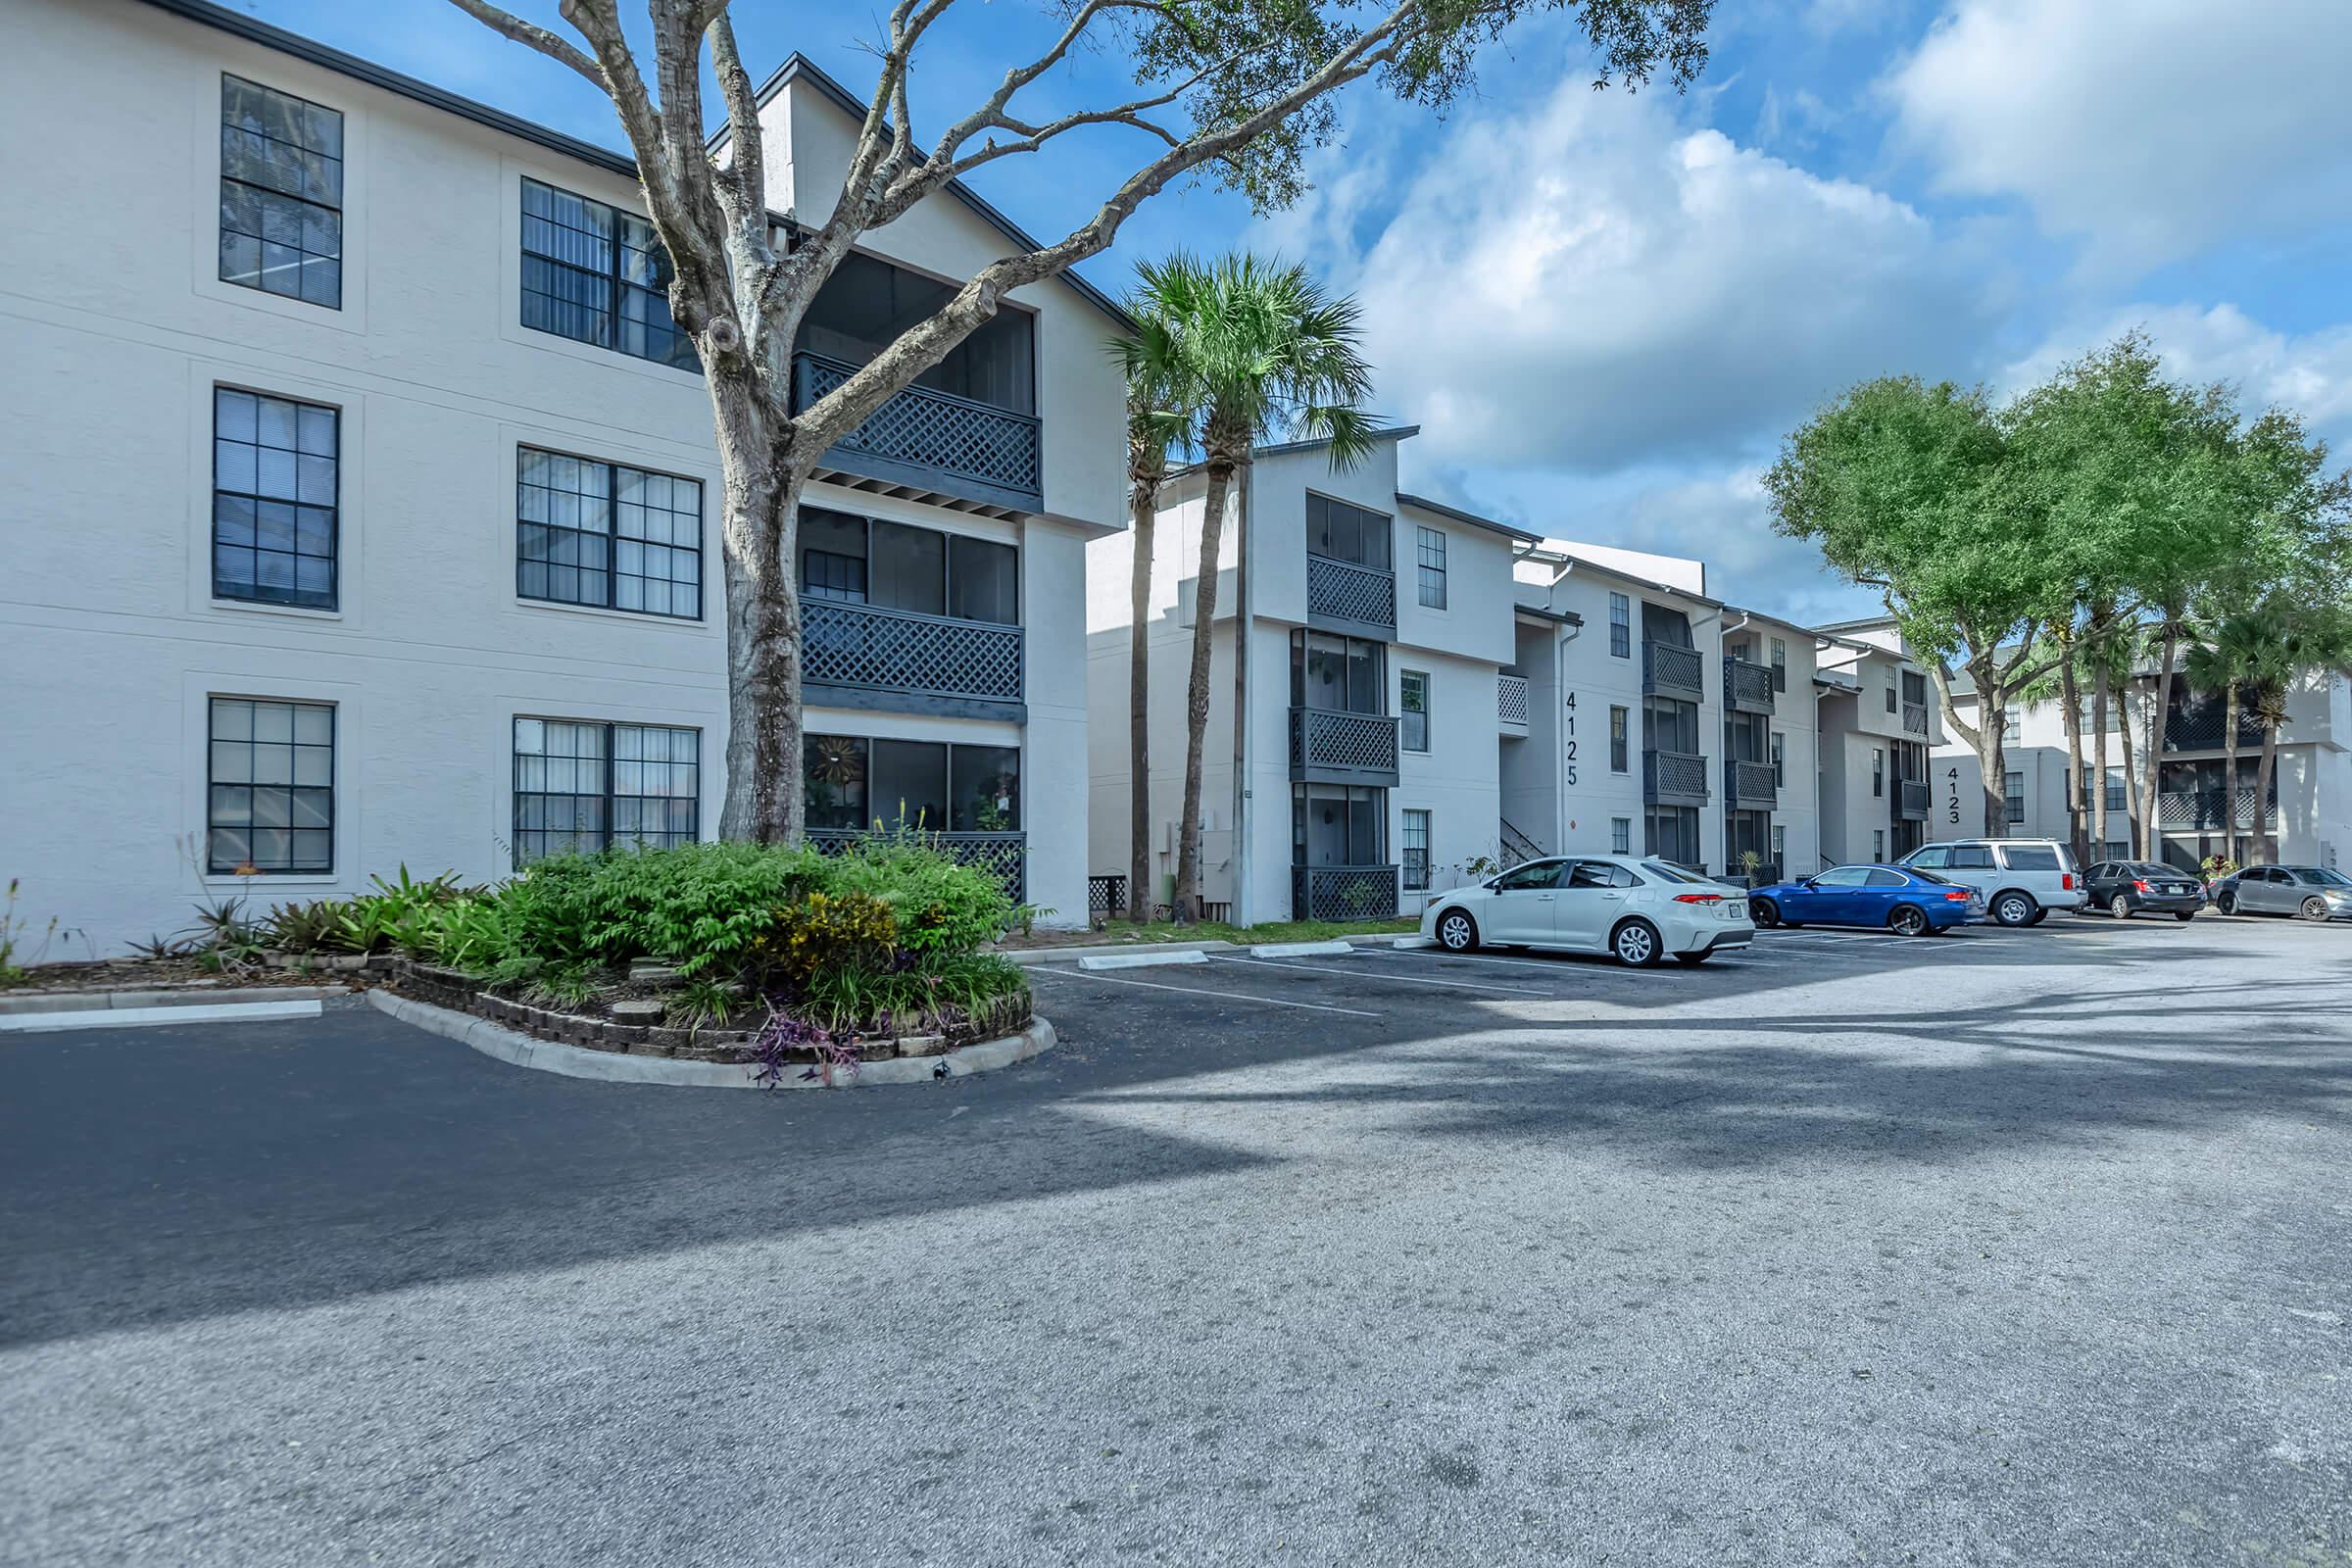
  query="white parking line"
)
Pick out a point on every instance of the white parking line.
point(1197, 991)
point(1359, 971)
point(1555, 965)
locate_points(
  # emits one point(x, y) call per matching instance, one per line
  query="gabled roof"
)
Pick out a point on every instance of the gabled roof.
point(1472, 519)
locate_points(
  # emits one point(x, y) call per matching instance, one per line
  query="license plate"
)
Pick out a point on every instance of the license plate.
point(1736, 910)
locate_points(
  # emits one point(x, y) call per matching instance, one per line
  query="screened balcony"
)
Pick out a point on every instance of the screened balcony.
point(967, 429)
point(909, 620)
point(1350, 577)
point(963, 798)
point(1342, 892)
point(1749, 785)
point(1510, 703)
point(1674, 778)
point(1914, 800)
point(1338, 748)
point(1671, 672)
point(1747, 688)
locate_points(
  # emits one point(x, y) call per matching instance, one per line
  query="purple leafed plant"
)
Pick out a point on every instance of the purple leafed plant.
point(836, 1049)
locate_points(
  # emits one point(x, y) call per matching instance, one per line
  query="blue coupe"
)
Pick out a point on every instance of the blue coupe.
point(1890, 897)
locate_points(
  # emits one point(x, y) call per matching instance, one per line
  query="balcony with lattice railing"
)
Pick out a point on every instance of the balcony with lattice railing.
point(2195, 810)
point(1747, 687)
point(932, 440)
point(1342, 892)
point(1344, 596)
point(1328, 746)
point(1005, 855)
point(1671, 672)
point(1510, 703)
point(2199, 721)
point(1914, 800)
point(865, 655)
point(1673, 779)
point(1749, 786)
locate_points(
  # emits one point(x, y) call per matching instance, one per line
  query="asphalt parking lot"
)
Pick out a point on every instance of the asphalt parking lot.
point(2010, 1246)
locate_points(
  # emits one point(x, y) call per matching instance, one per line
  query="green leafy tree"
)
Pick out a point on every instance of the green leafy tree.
point(1260, 351)
point(2223, 660)
point(1232, 91)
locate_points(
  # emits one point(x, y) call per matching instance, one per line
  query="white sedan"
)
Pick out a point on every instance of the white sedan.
point(1640, 910)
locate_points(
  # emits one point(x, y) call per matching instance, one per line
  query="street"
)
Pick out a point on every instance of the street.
point(2012, 1246)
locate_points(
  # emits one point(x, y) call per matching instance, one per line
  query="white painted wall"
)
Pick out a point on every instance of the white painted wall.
point(109, 640)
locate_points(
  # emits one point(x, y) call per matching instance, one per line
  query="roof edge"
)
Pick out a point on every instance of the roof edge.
point(1470, 518)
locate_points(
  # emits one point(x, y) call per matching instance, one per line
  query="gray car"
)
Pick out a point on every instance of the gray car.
point(2313, 892)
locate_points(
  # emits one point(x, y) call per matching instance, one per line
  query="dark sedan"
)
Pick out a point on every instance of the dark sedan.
point(2126, 888)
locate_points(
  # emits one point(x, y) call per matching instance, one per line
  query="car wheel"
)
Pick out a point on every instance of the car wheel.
point(2184, 915)
point(1908, 921)
point(2227, 903)
point(1764, 912)
point(2315, 908)
point(2039, 915)
point(1636, 944)
point(1456, 931)
point(2013, 908)
point(2119, 906)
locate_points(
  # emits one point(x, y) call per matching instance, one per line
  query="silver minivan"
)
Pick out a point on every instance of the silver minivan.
point(2022, 879)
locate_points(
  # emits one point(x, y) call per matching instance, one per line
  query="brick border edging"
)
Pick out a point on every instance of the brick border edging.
point(609, 1066)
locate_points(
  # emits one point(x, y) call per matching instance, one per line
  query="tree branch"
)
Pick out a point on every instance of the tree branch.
point(531, 36)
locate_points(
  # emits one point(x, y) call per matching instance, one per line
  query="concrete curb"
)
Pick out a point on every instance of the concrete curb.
point(1141, 960)
point(1029, 956)
point(608, 1066)
point(1302, 949)
point(33, 1023)
point(1408, 944)
point(177, 997)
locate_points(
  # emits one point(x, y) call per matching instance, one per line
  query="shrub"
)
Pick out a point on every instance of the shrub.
point(942, 907)
point(825, 933)
point(312, 927)
point(700, 906)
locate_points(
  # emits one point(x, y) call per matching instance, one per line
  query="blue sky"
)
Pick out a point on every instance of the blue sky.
point(1605, 309)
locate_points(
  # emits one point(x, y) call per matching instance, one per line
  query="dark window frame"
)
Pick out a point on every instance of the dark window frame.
point(951, 774)
point(1779, 664)
point(212, 783)
point(1620, 626)
point(1621, 742)
point(618, 286)
point(223, 232)
point(1431, 570)
point(334, 599)
point(1364, 515)
point(1414, 861)
point(864, 595)
point(614, 537)
point(2013, 803)
point(607, 792)
point(1406, 712)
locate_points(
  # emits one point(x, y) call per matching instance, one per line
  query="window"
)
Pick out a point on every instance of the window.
point(597, 274)
point(274, 500)
point(2030, 858)
point(2117, 848)
point(1877, 771)
point(281, 194)
point(1620, 626)
point(1621, 835)
point(900, 567)
point(1337, 824)
point(1432, 545)
point(581, 786)
point(1620, 720)
point(1338, 674)
point(1779, 664)
point(1932, 858)
point(1780, 760)
point(1971, 857)
point(1780, 849)
point(1416, 851)
point(271, 788)
point(850, 782)
point(1670, 726)
point(2012, 727)
point(1672, 833)
point(1533, 877)
point(604, 535)
point(1339, 531)
point(1893, 683)
point(1844, 876)
point(2013, 789)
point(1886, 879)
point(1413, 702)
point(867, 302)
point(1877, 843)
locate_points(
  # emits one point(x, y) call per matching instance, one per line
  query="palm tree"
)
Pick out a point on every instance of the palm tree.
point(2224, 661)
point(1157, 418)
point(2108, 655)
point(1262, 351)
point(2281, 644)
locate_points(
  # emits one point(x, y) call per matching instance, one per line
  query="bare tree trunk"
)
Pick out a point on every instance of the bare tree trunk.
point(759, 528)
point(2122, 733)
point(1138, 714)
point(2265, 844)
point(2098, 742)
point(2230, 774)
point(2070, 692)
point(1187, 899)
point(2153, 763)
point(1992, 721)
point(1241, 693)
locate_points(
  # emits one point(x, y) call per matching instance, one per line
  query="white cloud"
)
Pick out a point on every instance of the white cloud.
point(2153, 130)
point(1588, 286)
point(2310, 373)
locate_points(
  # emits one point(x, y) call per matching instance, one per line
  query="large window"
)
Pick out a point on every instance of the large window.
point(1431, 546)
point(1619, 722)
point(584, 786)
point(1672, 833)
point(597, 274)
point(1670, 726)
point(867, 303)
point(2013, 793)
point(1337, 824)
point(274, 499)
point(1413, 701)
point(281, 194)
point(2115, 787)
point(1338, 674)
point(1620, 626)
point(271, 788)
point(1414, 852)
point(606, 534)
point(852, 782)
point(900, 567)
point(1339, 531)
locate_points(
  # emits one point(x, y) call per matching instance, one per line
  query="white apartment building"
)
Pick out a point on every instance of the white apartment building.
point(1378, 627)
point(363, 505)
point(1880, 726)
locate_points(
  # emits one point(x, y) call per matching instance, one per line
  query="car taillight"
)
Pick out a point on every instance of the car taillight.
point(1955, 897)
point(2141, 885)
point(1698, 897)
point(2066, 881)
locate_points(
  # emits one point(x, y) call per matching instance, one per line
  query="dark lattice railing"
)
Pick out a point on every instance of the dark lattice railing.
point(1105, 897)
point(1914, 800)
point(1341, 590)
point(1749, 785)
point(1671, 672)
point(901, 651)
point(1510, 700)
point(1748, 687)
point(2200, 722)
point(1006, 855)
point(925, 429)
point(1359, 746)
point(1342, 892)
point(1674, 777)
point(2209, 808)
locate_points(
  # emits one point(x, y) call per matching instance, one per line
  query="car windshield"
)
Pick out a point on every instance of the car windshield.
point(1671, 873)
point(2148, 868)
point(2321, 877)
